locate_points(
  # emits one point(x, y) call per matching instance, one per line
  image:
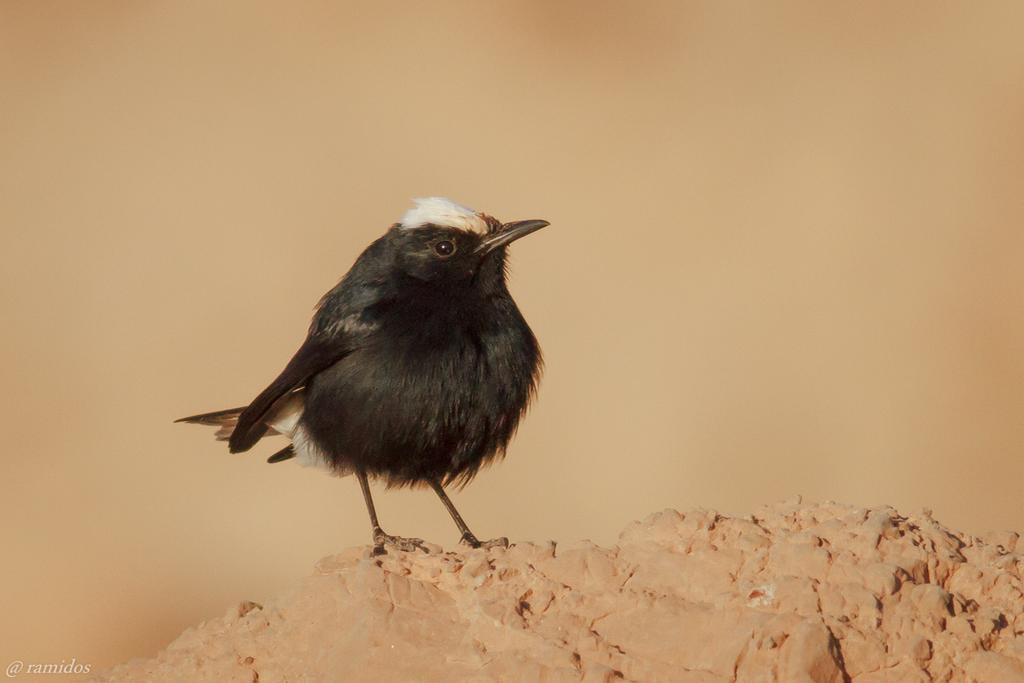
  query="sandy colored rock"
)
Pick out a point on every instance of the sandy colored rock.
point(814, 593)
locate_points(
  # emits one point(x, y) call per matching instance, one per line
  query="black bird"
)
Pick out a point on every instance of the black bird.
point(417, 366)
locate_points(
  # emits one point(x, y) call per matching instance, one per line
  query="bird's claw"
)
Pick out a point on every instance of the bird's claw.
point(406, 545)
point(473, 542)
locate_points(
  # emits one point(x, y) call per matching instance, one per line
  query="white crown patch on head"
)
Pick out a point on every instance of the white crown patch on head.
point(442, 212)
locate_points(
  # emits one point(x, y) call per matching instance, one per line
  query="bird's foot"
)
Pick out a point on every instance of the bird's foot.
point(406, 545)
point(473, 542)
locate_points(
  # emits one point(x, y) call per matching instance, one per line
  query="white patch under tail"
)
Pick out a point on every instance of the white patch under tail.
point(286, 420)
point(284, 417)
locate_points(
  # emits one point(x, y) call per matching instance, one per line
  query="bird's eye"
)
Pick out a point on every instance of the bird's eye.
point(444, 248)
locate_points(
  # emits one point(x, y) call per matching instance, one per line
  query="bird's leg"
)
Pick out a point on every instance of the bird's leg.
point(467, 536)
point(381, 539)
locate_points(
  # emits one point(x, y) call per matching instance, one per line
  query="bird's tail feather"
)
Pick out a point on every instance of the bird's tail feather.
point(224, 420)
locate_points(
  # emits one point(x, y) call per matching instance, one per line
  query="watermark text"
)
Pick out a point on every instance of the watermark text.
point(20, 668)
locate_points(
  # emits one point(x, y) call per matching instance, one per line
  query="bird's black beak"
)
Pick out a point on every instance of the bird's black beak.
point(509, 232)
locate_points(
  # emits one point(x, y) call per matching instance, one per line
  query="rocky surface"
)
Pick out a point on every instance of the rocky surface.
point(795, 593)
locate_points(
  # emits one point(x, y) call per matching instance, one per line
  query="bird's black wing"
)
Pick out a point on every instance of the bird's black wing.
point(316, 354)
point(345, 318)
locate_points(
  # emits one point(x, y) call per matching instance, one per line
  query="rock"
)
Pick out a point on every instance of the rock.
point(810, 655)
point(990, 666)
point(798, 592)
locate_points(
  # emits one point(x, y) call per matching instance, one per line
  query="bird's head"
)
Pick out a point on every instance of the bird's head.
point(440, 241)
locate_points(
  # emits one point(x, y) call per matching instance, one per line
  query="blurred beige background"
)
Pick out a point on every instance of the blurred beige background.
point(785, 258)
